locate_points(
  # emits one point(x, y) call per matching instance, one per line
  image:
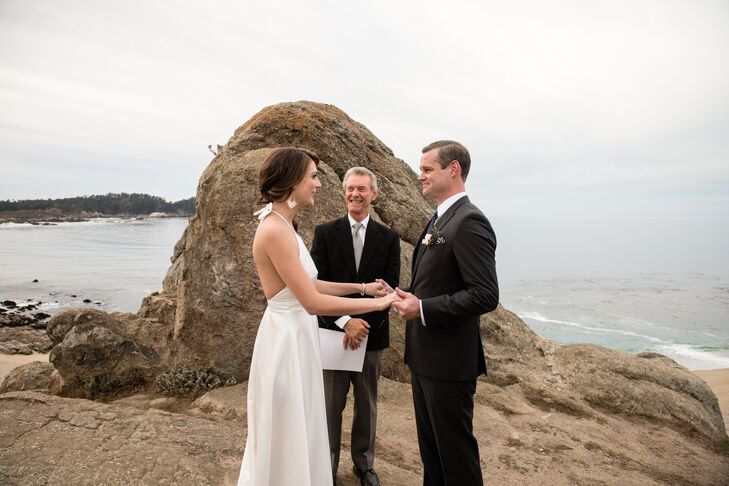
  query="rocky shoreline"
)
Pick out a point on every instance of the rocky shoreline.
point(22, 328)
point(50, 217)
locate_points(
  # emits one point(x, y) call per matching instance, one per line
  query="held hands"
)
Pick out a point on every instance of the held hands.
point(385, 285)
point(355, 330)
point(389, 295)
point(408, 306)
point(376, 288)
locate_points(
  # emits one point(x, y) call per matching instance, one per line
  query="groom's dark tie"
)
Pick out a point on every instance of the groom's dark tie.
point(431, 223)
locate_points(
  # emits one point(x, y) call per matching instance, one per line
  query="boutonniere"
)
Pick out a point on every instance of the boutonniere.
point(434, 238)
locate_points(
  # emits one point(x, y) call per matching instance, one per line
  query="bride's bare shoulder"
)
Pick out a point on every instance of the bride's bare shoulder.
point(270, 230)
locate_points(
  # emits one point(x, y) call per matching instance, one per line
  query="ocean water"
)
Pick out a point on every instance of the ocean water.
point(113, 262)
point(632, 285)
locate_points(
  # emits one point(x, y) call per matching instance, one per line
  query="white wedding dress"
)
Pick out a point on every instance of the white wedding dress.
point(287, 440)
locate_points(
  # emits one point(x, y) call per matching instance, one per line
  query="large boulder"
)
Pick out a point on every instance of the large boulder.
point(99, 354)
point(212, 284)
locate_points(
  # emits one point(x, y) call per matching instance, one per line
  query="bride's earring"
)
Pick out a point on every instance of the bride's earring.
point(291, 203)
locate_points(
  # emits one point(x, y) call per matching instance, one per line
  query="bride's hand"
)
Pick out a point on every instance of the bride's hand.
point(376, 289)
point(389, 299)
point(388, 289)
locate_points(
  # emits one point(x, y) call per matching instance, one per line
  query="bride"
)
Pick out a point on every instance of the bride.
point(287, 440)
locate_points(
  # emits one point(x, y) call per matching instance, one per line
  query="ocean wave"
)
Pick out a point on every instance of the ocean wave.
point(695, 358)
point(538, 317)
point(690, 356)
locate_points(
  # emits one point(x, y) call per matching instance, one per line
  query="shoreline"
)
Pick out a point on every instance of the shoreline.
point(51, 220)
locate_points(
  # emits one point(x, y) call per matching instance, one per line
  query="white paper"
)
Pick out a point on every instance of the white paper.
point(335, 357)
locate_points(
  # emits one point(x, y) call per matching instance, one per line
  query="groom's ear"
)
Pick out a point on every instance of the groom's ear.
point(455, 168)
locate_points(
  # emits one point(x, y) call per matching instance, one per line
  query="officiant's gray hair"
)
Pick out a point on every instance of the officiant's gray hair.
point(363, 171)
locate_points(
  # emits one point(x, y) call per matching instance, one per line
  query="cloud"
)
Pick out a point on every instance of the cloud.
point(554, 100)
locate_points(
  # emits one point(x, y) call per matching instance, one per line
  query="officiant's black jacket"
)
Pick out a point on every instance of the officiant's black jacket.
point(333, 254)
point(455, 279)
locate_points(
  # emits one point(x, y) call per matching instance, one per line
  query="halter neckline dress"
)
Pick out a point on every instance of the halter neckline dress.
point(287, 440)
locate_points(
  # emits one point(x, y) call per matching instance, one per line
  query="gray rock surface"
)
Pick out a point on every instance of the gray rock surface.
point(52, 440)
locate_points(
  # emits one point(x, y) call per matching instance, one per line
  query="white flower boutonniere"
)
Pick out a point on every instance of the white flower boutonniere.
point(434, 238)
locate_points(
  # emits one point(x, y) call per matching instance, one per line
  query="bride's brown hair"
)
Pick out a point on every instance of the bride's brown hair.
point(282, 170)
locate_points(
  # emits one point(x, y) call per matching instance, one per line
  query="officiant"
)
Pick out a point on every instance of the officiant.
point(356, 248)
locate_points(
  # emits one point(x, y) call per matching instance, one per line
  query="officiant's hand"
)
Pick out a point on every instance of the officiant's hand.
point(408, 307)
point(355, 330)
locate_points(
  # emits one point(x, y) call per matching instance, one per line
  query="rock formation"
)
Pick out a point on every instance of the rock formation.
point(212, 283)
point(576, 414)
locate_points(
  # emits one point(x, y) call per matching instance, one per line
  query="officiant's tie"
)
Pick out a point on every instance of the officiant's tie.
point(358, 244)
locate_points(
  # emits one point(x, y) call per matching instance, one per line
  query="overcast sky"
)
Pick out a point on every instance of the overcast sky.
point(570, 108)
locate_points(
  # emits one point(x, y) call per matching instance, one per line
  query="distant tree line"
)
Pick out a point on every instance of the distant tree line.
point(111, 203)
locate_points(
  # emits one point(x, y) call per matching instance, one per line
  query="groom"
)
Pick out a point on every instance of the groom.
point(453, 282)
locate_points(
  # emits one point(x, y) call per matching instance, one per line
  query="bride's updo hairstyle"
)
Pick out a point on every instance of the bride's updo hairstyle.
point(282, 170)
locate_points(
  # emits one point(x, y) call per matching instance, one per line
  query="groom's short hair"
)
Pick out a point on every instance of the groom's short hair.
point(449, 151)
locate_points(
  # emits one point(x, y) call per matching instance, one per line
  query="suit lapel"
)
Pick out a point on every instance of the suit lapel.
point(344, 239)
point(443, 220)
point(417, 252)
point(440, 224)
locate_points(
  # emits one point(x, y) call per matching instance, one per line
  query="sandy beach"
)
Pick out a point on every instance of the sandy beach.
point(10, 361)
point(718, 381)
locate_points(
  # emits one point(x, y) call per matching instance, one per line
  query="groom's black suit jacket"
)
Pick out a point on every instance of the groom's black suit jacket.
point(455, 279)
point(333, 253)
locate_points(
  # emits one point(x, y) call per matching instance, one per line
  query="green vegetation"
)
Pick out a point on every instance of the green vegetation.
point(111, 204)
point(182, 382)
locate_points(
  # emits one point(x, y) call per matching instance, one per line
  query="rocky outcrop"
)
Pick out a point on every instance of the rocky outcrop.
point(212, 284)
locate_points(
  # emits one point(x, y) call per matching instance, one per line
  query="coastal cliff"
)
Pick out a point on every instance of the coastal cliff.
point(546, 413)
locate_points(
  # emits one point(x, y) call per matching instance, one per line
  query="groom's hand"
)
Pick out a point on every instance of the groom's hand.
point(356, 330)
point(409, 306)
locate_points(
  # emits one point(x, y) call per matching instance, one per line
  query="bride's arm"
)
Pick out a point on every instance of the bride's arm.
point(337, 288)
point(283, 251)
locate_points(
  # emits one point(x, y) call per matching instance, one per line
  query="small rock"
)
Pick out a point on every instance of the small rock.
point(14, 347)
point(35, 280)
point(87, 301)
point(30, 376)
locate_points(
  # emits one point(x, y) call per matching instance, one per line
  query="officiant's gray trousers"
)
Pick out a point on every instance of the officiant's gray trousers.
point(364, 420)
